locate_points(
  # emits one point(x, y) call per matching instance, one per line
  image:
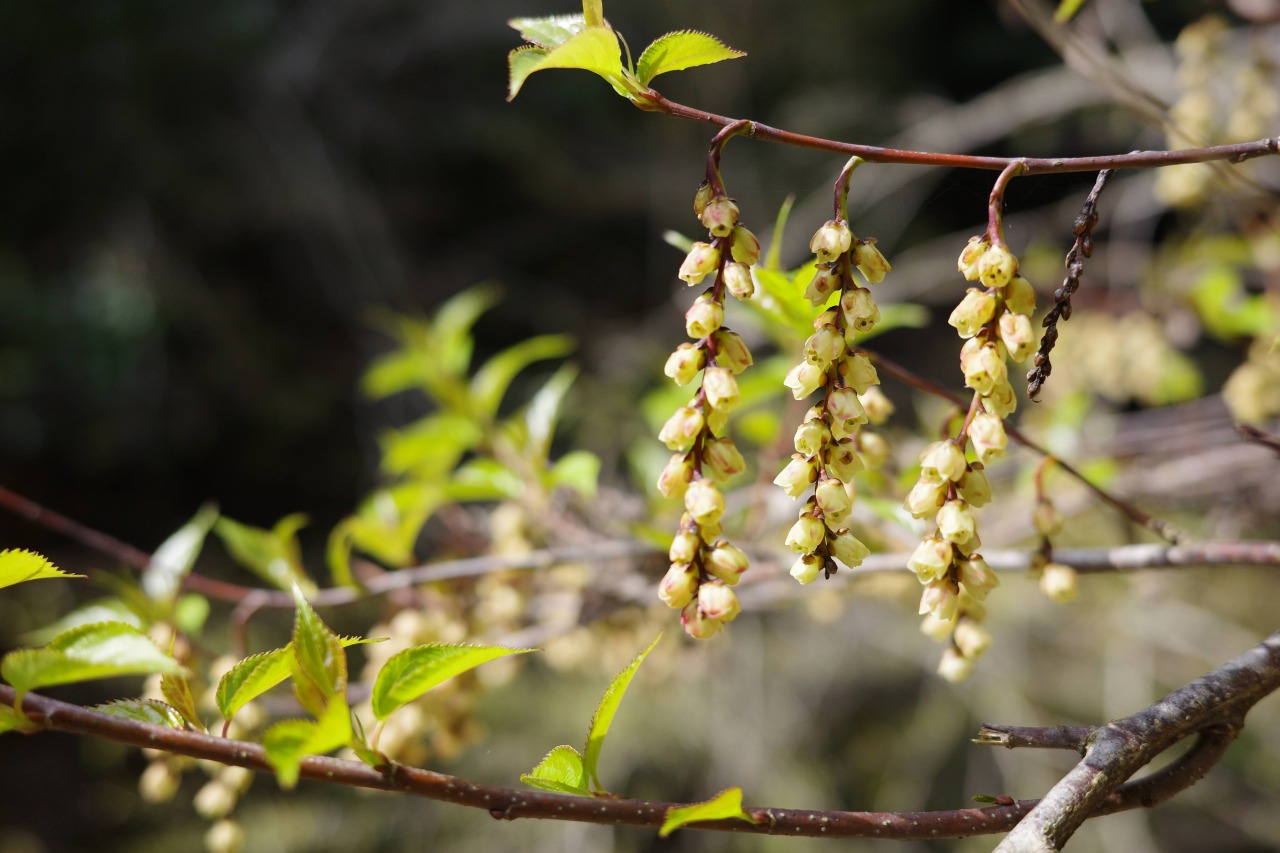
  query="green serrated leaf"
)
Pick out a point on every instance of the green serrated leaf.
point(548, 32)
point(17, 566)
point(173, 560)
point(605, 712)
point(288, 742)
point(724, 805)
point(594, 49)
point(319, 662)
point(560, 771)
point(177, 691)
point(680, 50)
point(494, 377)
point(414, 671)
point(250, 678)
point(579, 470)
point(85, 653)
point(273, 555)
point(151, 711)
point(102, 610)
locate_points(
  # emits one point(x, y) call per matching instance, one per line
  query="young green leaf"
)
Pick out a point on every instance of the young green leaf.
point(414, 671)
point(483, 479)
point(548, 32)
point(603, 718)
point(151, 711)
point(1067, 10)
point(173, 560)
point(681, 50)
point(17, 566)
point(101, 650)
point(560, 771)
point(10, 719)
point(101, 610)
point(724, 805)
point(544, 409)
point(250, 678)
point(274, 555)
point(494, 377)
point(579, 470)
point(319, 662)
point(177, 691)
point(595, 49)
point(593, 12)
point(288, 742)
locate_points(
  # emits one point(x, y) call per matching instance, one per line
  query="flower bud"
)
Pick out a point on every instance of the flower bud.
point(955, 667)
point(1016, 335)
point(704, 316)
point(721, 459)
point(824, 283)
point(1059, 582)
point(831, 241)
point(826, 318)
point(703, 258)
point(973, 487)
point(860, 310)
point(974, 311)
point(708, 531)
point(811, 437)
point(972, 639)
point(848, 549)
point(676, 475)
point(970, 255)
point(684, 364)
point(702, 198)
point(1000, 400)
point(796, 477)
point(678, 585)
point(926, 496)
point(945, 458)
point(936, 629)
point(858, 373)
point(966, 545)
point(983, 367)
point(737, 280)
point(1020, 296)
point(976, 576)
point(955, 522)
point(834, 502)
point(159, 782)
point(721, 388)
point(805, 378)
point(704, 502)
point(824, 346)
point(681, 429)
point(806, 534)
point(224, 836)
point(697, 625)
point(874, 449)
point(1046, 518)
point(877, 406)
point(972, 607)
point(997, 266)
point(843, 405)
point(745, 247)
point(842, 460)
point(214, 800)
point(870, 262)
point(988, 437)
point(684, 547)
point(717, 601)
point(731, 351)
point(807, 568)
point(726, 562)
point(719, 216)
point(939, 599)
point(931, 559)
point(717, 420)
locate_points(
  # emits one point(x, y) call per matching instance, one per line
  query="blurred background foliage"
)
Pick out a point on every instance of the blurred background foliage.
point(217, 217)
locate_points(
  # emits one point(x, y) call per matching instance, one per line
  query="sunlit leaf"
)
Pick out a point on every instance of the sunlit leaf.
point(681, 50)
point(1067, 10)
point(17, 566)
point(451, 339)
point(579, 470)
point(560, 771)
point(388, 522)
point(724, 805)
point(273, 555)
point(431, 447)
point(544, 409)
point(191, 612)
point(608, 707)
point(414, 671)
point(85, 653)
point(319, 662)
point(288, 742)
point(494, 377)
point(102, 610)
point(250, 678)
point(151, 711)
point(485, 480)
point(594, 49)
point(173, 560)
point(548, 32)
point(10, 719)
point(177, 692)
point(774, 251)
point(593, 12)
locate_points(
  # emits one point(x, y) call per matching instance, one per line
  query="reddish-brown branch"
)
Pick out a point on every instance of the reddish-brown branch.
point(1237, 153)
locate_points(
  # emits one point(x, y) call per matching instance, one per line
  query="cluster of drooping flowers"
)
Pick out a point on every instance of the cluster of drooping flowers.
point(995, 322)
point(703, 564)
point(831, 446)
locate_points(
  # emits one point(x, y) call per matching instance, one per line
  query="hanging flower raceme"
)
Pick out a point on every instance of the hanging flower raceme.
point(831, 446)
point(995, 322)
point(703, 564)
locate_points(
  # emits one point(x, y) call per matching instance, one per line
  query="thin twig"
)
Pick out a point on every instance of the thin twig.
point(1074, 738)
point(1257, 436)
